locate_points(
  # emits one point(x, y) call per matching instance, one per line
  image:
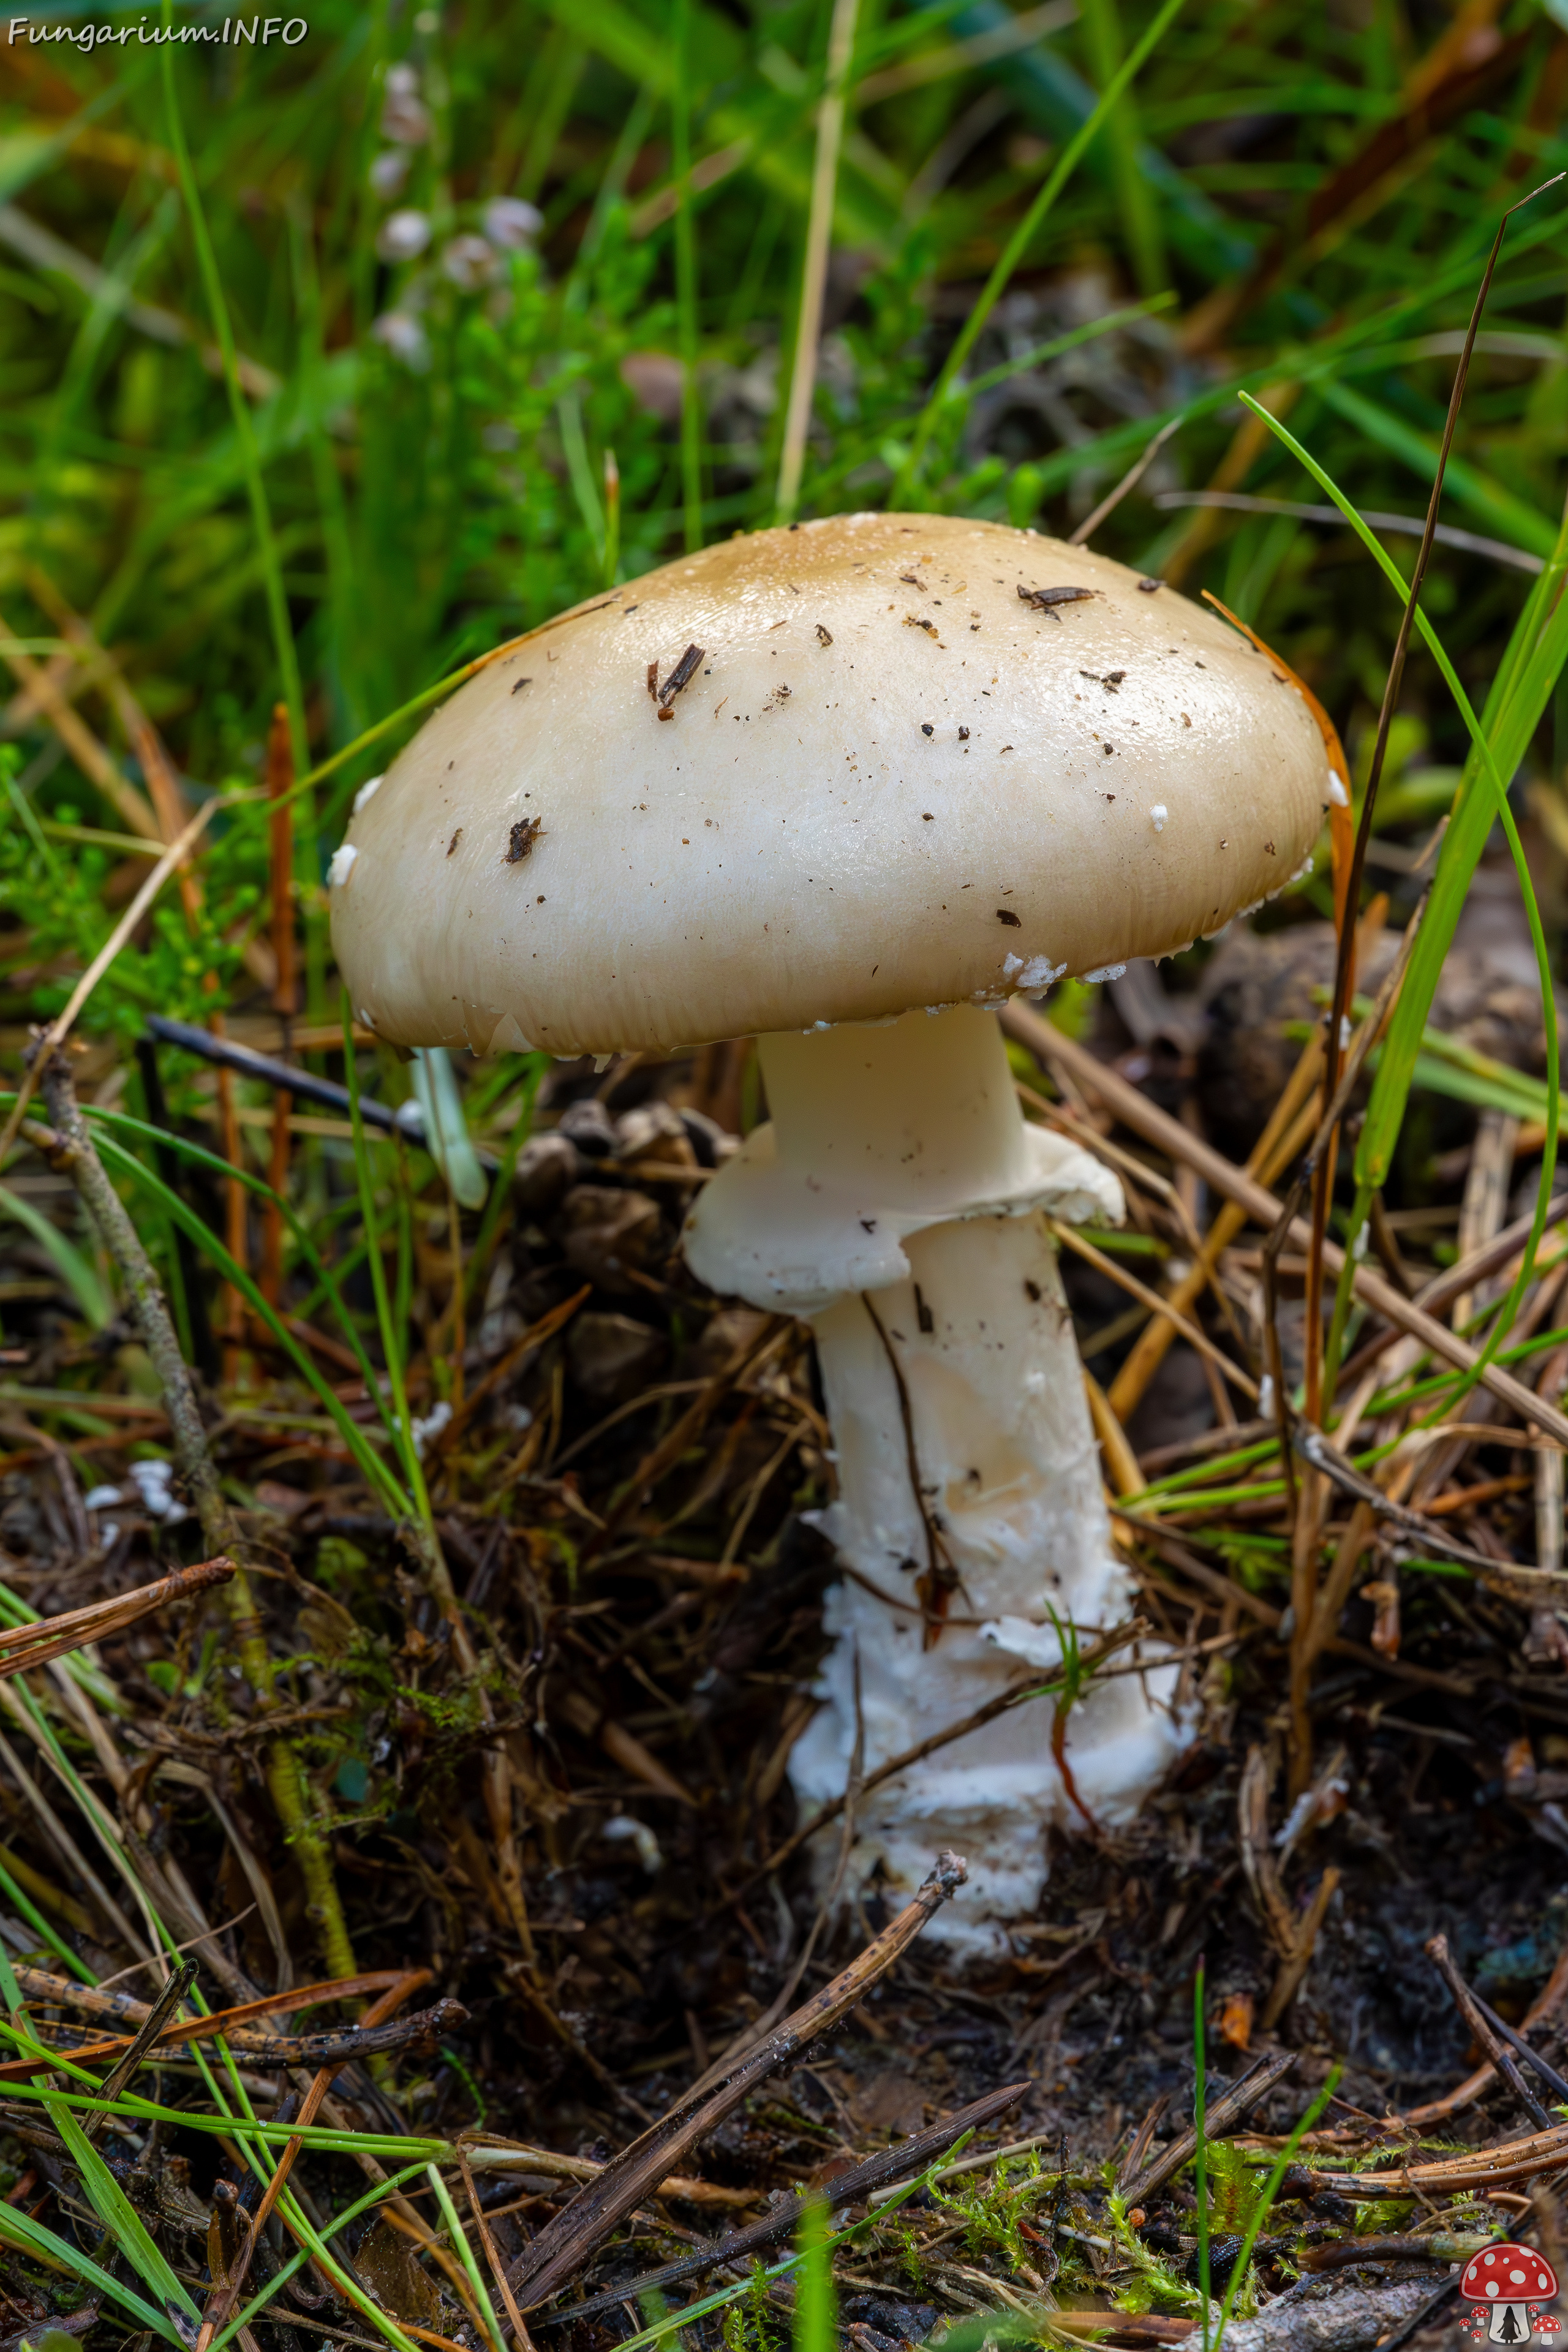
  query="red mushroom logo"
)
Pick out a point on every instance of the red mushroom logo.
point(1506, 2287)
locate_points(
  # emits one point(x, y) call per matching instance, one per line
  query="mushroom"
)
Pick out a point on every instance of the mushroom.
point(846, 788)
point(1502, 2282)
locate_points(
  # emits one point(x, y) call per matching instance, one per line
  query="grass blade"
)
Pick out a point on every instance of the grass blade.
point(326, 1281)
point(464, 2254)
point(814, 265)
point(369, 1462)
point(815, 2304)
point(390, 1342)
point(239, 409)
point(1507, 517)
point(18, 2229)
point(71, 1264)
point(1201, 2156)
point(1495, 752)
point(1265, 2202)
point(500, 1191)
point(1139, 217)
point(125, 2225)
point(685, 281)
point(25, 1908)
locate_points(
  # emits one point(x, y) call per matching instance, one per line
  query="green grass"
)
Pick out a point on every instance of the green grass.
point(383, 471)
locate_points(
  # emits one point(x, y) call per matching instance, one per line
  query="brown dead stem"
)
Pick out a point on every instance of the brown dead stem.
point(1145, 1117)
point(287, 1785)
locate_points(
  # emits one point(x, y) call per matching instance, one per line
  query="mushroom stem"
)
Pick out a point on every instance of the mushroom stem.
point(1009, 1524)
point(896, 1201)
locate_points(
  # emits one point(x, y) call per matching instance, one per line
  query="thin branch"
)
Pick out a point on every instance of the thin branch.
point(1130, 481)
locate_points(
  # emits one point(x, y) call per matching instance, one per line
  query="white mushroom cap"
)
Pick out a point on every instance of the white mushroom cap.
point(888, 782)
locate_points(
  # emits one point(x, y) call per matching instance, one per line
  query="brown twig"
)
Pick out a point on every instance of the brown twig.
point(1032, 1687)
point(848, 2189)
point(1226, 1590)
point(1315, 1448)
point(1497, 2049)
point(1130, 481)
point(1254, 2086)
point(1191, 1332)
point(1309, 1501)
point(941, 1577)
point(1137, 2155)
point(328, 2050)
point(163, 2008)
point(1049, 1047)
point(1554, 2081)
point(520, 2335)
point(76, 1155)
point(24, 1646)
point(675, 1444)
point(567, 2240)
point(1286, 1132)
point(534, 1336)
point(1476, 2169)
point(1288, 1983)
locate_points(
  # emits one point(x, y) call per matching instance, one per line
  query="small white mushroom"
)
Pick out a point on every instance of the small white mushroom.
point(426, 1425)
point(638, 1835)
point(153, 1481)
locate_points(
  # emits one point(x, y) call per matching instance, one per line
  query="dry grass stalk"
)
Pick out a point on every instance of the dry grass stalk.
point(1050, 1046)
point(280, 787)
point(1542, 2010)
point(23, 1646)
point(1485, 1203)
point(1290, 1123)
point(1195, 1336)
point(73, 1154)
point(96, 761)
point(1478, 2021)
point(1223, 2114)
point(1095, 1655)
